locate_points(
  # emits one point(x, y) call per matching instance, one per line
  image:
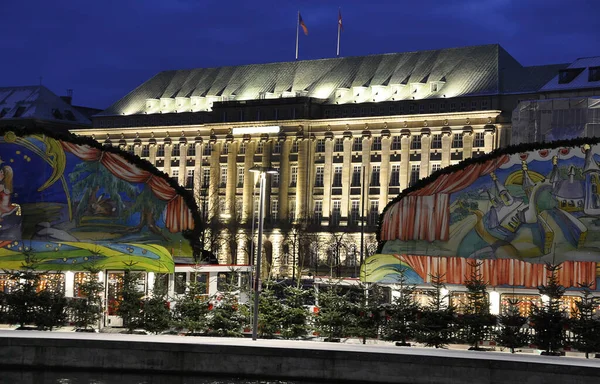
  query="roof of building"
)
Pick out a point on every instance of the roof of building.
point(581, 71)
point(454, 72)
point(39, 103)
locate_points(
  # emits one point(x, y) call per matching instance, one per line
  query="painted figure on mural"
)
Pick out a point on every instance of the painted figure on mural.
point(10, 213)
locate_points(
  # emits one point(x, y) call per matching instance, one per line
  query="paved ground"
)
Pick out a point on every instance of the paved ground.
point(457, 351)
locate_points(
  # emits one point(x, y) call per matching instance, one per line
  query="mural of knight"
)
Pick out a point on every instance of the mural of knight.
point(514, 210)
point(71, 202)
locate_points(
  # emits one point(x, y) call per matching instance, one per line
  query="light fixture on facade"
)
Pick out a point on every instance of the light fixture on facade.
point(256, 130)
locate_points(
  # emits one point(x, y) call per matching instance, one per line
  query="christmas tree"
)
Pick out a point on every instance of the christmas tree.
point(87, 309)
point(270, 312)
point(367, 312)
point(157, 315)
point(23, 298)
point(295, 316)
point(585, 325)
point(436, 324)
point(333, 318)
point(191, 309)
point(130, 301)
point(511, 333)
point(402, 314)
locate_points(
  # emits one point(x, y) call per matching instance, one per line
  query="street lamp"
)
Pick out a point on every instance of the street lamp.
point(262, 171)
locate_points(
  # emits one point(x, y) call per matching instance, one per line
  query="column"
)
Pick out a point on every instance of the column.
point(231, 180)
point(284, 180)
point(327, 177)
point(215, 178)
point(468, 145)
point(301, 185)
point(425, 155)
point(183, 148)
point(167, 158)
point(404, 161)
point(198, 174)
point(249, 185)
point(384, 178)
point(152, 148)
point(137, 150)
point(488, 140)
point(446, 147)
point(266, 162)
point(346, 177)
point(366, 168)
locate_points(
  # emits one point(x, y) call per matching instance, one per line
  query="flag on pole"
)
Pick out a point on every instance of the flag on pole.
point(301, 23)
point(340, 19)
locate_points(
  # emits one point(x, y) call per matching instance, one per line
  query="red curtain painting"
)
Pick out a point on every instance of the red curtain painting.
point(178, 215)
point(500, 271)
point(424, 214)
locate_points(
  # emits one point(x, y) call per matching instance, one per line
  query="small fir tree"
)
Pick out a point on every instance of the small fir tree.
point(295, 318)
point(191, 310)
point(402, 314)
point(333, 318)
point(548, 319)
point(51, 308)
point(436, 324)
point(227, 317)
point(157, 315)
point(585, 325)
point(270, 312)
point(87, 308)
point(511, 333)
point(130, 301)
point(476, 322)
point(367, 313)
point(22, 300)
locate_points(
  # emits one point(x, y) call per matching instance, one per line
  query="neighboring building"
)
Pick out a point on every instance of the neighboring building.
point(568, 106)
point(38, 106)
point(353, 133)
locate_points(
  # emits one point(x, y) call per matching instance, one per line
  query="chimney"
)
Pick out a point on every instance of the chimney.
point(69, 97)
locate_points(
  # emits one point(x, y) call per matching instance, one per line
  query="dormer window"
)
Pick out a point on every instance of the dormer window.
point(565, 76)
point(434, 87)
point(594, 74)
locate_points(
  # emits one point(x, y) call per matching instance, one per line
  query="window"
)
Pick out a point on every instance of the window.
point(226, 281)
point(318, 211)
point(320, 146)
point(240, 177)
point(160, 151)
point(375, 172)
point(421, 108)
point(337, 177)
point(473, 105)
point(452, 107)
point(339, 145)
point(432, 108)
point(395, 175)
point(175, 174)
point(223, 181)
point(294, 147)
point(442, 107)
point(457, 140)
point(146, 151)
point(415, 142)
point(479, 139)
point(205, 178)
point(435, 167)
point(376, 144)
point(594, 74)
point(207, 149)
point(436, 141)
point(463, 106)
point(373, 212)
point(434, 87)
point(357, 144)
point(277, 147)
point(415, 170)
point(189, 179)
point(242, 148)
point(396, 143)
point(275, 180)
point(294, 178)
point(274, 208)
point(356, 176)
point(292, 210)
point(180, 282)
point(225, 149)
point(201, 278)
point(175, 151)
point(259, 147)
point(355, 211)
point(319, 171)
point(484, 104)
point(411, 108)
point(336, 212)
point(191, 150)
point(567, 75)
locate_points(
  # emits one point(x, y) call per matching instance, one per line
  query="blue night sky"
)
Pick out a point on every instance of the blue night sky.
point(104, 49)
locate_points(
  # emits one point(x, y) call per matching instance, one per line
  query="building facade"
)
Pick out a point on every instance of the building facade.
point(352, 133)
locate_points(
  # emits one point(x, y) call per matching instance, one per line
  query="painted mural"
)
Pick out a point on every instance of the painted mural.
point(73, 203)
point(513, 211)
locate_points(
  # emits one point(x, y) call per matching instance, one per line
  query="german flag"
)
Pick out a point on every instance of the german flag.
point(301, 23)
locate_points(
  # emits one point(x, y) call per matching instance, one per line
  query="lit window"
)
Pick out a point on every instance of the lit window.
point(356, 176)
point(457, 140)
point(357, 144)
point(395, 175)
point(415, 171)
point(339, 145)
point(337, 177)
point(320, 145)
point(376, 144)
point(294, 178)
point(396, 143)
point(319, 171)
point(436, 141)
point(375, 175)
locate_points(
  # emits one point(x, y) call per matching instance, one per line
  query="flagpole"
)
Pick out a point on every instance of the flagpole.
point(297, 30)
point(338, 40)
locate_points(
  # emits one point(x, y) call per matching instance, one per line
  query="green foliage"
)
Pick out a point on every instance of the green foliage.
point(584, 324)
point(192, 308)
point(270, 312)
point(226, 318)
point(436, 324)
point(476, 322)
point(157, 315)
point(22, 300)
point(130, 302)
point(87, 309)
point(402, 314)
point(334, 317)
point(511, 333)
point(548, 320)
point(295, 319)
point(367, 313)
point(50, 309)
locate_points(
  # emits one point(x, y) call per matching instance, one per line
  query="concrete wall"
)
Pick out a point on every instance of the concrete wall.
point(312, 361)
